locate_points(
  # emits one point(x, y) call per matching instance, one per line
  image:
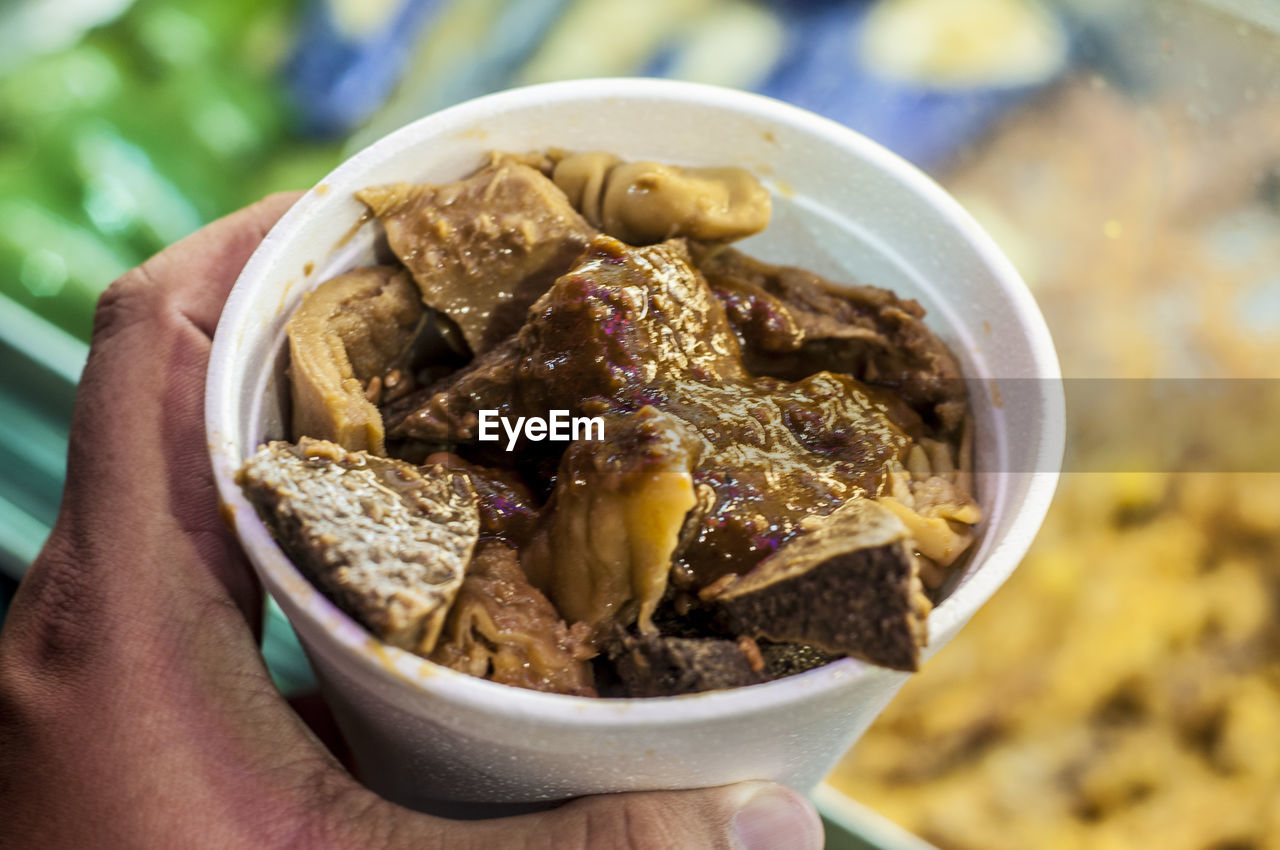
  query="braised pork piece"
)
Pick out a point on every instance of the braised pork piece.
point(781, 472)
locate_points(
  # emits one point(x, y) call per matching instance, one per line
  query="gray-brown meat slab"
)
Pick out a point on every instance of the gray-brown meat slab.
point(793, 323)
point(659, 666)
point(387, 541)
point(849, 585)
point(448, 411)
point(484, 248)
point(790, 659)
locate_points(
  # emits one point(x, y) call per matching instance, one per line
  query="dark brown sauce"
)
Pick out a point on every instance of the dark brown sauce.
point(365, 218)
point(637, 328)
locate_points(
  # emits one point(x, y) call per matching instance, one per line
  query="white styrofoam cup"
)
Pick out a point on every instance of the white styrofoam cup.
point(844, 207)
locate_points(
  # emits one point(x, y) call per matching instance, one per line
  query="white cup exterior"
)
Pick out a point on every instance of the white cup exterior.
point(844, 207)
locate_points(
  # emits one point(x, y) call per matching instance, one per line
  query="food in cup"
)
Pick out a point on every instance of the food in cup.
point(771, 471)
point(352, 515)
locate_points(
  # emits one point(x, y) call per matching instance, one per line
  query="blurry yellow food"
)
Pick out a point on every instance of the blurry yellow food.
point(971, 43)
point(1122, 691)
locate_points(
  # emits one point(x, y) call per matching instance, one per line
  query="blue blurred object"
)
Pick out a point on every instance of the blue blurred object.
point(517, 30)
point(348, 59)
point(812, 53)
point(503, 35)
point(823, 71)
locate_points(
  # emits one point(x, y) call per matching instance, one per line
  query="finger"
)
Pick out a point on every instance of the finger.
point(127, 666)
point(751, 816)
point(193, 276)
point(138, 540)
point(138, 471)
point(747, 816)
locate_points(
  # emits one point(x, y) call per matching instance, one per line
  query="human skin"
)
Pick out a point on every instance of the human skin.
point(135, 709)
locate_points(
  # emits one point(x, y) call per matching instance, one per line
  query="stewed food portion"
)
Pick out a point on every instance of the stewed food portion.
point(572, 440)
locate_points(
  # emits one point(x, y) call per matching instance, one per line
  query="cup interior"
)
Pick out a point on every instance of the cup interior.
point(843, 207)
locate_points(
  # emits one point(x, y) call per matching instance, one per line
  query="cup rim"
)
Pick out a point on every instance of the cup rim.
point(298, 597)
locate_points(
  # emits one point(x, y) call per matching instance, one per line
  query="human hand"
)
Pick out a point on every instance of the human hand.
point(135, 710)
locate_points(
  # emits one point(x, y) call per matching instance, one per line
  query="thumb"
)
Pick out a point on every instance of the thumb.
point(746, 816)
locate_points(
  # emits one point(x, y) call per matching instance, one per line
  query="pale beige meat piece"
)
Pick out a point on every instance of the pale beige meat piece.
point(647, 202)
point(614, 521)
point(484, 248)
point(502, 629)
point(347, 334)
point(389, 542)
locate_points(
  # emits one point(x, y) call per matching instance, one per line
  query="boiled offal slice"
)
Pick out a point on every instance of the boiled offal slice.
point(348, 332)
point(484, 248)
point(387, 541)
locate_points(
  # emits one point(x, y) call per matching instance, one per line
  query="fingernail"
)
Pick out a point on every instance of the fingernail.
point(777, 818)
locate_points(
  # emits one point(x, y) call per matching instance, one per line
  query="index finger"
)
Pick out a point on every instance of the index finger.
point(194, 275)
point(138, 477)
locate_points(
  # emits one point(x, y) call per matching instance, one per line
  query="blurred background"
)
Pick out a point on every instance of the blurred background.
point(1122, 691)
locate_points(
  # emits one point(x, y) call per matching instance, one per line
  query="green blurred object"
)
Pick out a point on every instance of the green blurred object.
point(32, 28)
point(122, 143)
point(124, 126)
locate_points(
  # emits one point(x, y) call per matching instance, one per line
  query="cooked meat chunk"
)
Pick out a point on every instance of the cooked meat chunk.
point(766, 327)
point(605, 547)
point(848, 585)
point(508, 510)
point(684, 615)
point(646, 202)
point(348, 334)
point(629, 328)
point(387, 541)
point(626, 325)
point(793, 323)
point(484, 248)
point(785, 465)
point(789, 659)
point(446, 412)
point(658, 666)
point(501, 628)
